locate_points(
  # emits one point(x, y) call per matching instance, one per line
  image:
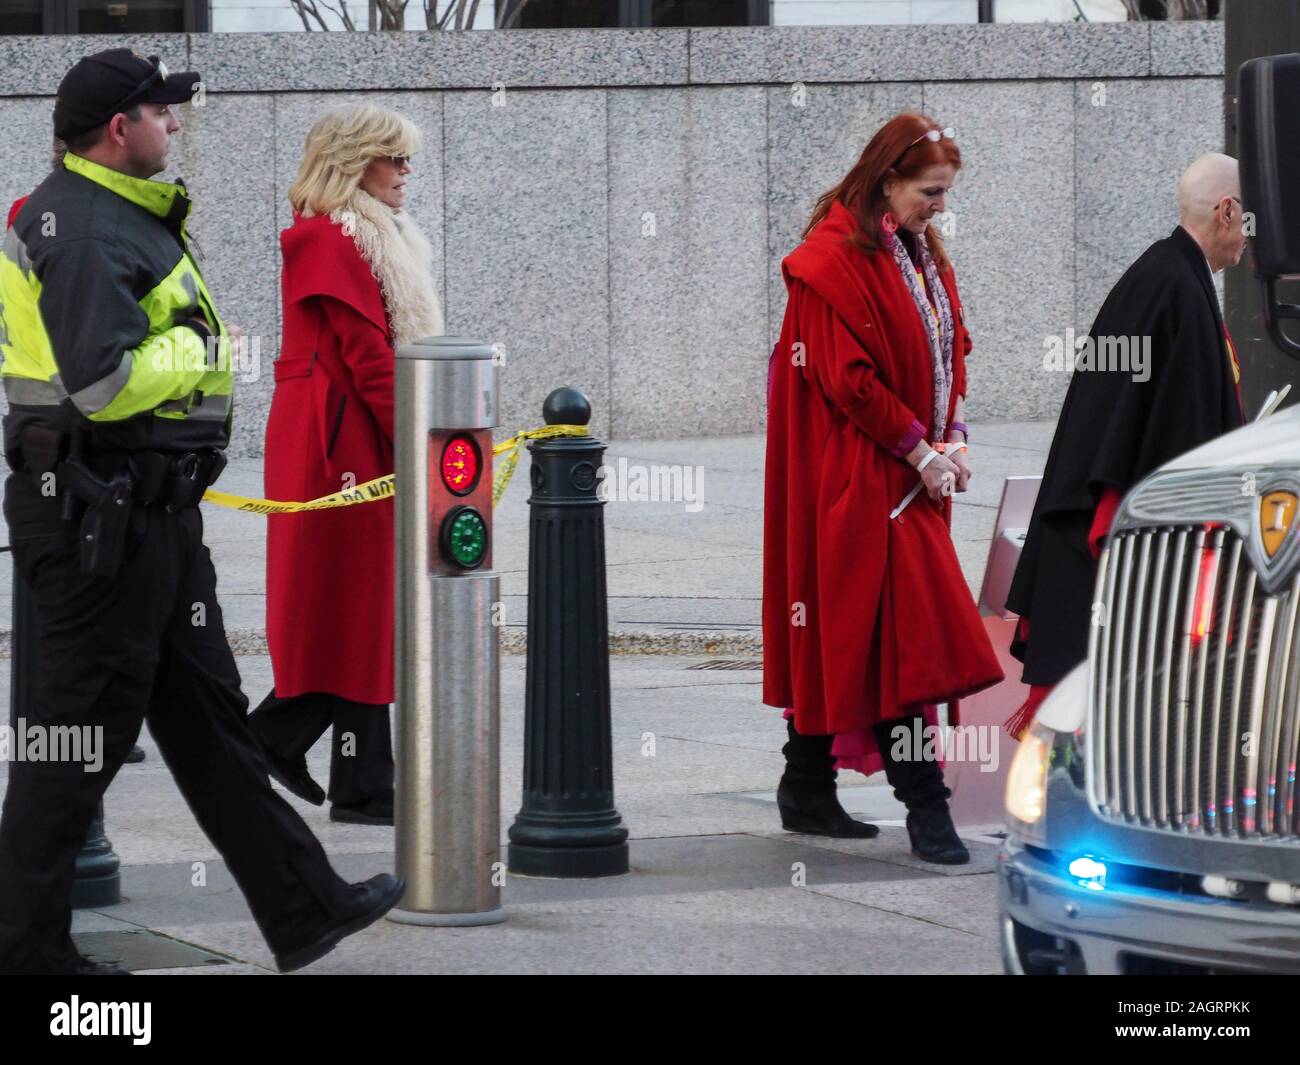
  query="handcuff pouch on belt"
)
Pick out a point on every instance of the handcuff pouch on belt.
point(189, 477)
point(174, 482)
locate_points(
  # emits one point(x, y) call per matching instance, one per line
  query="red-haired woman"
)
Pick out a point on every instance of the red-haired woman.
point(867, 620)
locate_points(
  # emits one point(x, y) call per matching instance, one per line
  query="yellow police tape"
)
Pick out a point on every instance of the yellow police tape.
point(383, 487)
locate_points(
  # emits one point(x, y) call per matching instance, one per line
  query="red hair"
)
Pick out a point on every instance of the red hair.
point(893, 152)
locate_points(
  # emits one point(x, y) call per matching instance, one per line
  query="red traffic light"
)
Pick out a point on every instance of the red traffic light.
point(461, 465)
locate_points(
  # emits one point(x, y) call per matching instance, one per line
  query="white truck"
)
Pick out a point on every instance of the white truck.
point(1153, 810)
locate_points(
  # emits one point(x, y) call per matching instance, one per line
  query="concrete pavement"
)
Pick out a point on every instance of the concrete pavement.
point(713, 881)
point(716, 885)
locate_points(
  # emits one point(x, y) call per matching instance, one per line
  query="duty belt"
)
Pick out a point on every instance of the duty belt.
point(158, 478)
point(99, 487)
point(146, 478)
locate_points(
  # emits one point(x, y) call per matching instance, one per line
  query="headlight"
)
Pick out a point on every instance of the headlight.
point(1062, 713)
point(1027, 783)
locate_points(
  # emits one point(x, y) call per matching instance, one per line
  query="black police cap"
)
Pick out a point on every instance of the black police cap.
point(107, 83)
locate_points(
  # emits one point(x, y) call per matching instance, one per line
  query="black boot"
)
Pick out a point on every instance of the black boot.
point(806, 795)
point(919, 786)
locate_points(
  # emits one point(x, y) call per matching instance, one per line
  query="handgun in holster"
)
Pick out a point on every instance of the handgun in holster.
point(107, 513)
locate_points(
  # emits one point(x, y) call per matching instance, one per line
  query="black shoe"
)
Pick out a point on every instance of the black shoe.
point(815, 810)
point(136, 755)
point(295, 777)
point(370, 901)
point(377, 810)
point(934, 836)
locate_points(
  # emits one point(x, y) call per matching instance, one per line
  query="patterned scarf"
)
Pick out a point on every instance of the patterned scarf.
point(941, 337)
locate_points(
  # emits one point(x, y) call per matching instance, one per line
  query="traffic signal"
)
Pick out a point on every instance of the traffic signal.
point(460, 499)
point(447, 748)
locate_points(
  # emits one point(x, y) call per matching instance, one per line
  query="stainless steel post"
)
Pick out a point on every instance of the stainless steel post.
point(448, 695)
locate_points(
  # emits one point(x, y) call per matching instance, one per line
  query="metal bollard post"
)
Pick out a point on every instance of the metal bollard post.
point(448, 820)
point(97, 881)
point(567, 826)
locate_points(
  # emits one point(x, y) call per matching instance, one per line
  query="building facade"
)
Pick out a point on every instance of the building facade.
point(274, 16)
point(611, 207)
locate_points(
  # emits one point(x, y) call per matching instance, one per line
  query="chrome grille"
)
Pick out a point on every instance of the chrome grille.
point(1195, 671)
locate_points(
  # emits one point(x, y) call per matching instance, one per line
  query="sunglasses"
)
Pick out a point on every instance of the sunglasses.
point(156, 76)
point(398, 161)
point(934, 135)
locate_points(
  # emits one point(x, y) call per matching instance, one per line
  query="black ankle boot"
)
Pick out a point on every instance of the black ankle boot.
point(806, 795)
point(934, 837)
point(919, 786)
point(817, 812)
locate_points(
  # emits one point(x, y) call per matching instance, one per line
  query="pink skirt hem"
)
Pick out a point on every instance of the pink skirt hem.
point(859, 751)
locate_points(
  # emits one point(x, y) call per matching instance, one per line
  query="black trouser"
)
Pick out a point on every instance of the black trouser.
point(362, 764)
point(149, 645)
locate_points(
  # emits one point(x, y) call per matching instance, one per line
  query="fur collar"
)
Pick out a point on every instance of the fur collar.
point(401, 258)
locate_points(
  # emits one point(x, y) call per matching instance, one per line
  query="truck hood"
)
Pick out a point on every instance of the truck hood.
point(1273, 442)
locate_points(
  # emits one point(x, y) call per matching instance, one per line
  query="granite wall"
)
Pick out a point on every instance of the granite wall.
point(612, 206)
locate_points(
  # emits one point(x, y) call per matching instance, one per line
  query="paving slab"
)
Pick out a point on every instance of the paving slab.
point(725, 904)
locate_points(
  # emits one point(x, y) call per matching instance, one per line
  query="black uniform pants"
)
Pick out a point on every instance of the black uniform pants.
point(361, 767)
point(149, 645)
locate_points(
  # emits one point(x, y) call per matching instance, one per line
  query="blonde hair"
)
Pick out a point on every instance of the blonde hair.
point(340, 146)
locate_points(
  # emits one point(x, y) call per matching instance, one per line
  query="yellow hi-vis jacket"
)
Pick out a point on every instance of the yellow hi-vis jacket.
point(102, 316)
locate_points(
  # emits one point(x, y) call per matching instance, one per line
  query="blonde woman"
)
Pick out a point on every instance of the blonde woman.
point(356, 282)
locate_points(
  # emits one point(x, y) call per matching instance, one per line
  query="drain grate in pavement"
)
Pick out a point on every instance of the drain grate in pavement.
point(729, 663)
point(143, 949)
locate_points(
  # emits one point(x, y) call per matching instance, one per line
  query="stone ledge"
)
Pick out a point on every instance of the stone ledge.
point(34, 66)
point(324, 62)
point(270, 62)
point(1188, 49)
point(813, 54)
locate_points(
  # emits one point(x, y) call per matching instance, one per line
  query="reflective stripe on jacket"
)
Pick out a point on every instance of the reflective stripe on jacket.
point(99, 300)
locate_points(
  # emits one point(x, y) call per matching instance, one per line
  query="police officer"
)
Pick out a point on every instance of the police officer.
point(119, 384)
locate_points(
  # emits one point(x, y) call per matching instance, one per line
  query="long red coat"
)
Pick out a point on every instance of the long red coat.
point(862, 616)
point(329, 573)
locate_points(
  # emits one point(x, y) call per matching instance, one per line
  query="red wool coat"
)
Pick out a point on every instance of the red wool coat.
point(862, 616)
point(329, 573)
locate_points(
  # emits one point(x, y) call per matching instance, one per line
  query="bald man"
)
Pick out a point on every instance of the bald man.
point(1156, 376)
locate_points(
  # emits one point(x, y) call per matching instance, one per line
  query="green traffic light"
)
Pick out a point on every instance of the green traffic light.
point(465, 537)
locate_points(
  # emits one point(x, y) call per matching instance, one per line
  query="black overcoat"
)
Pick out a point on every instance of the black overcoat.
point(1114, 429)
